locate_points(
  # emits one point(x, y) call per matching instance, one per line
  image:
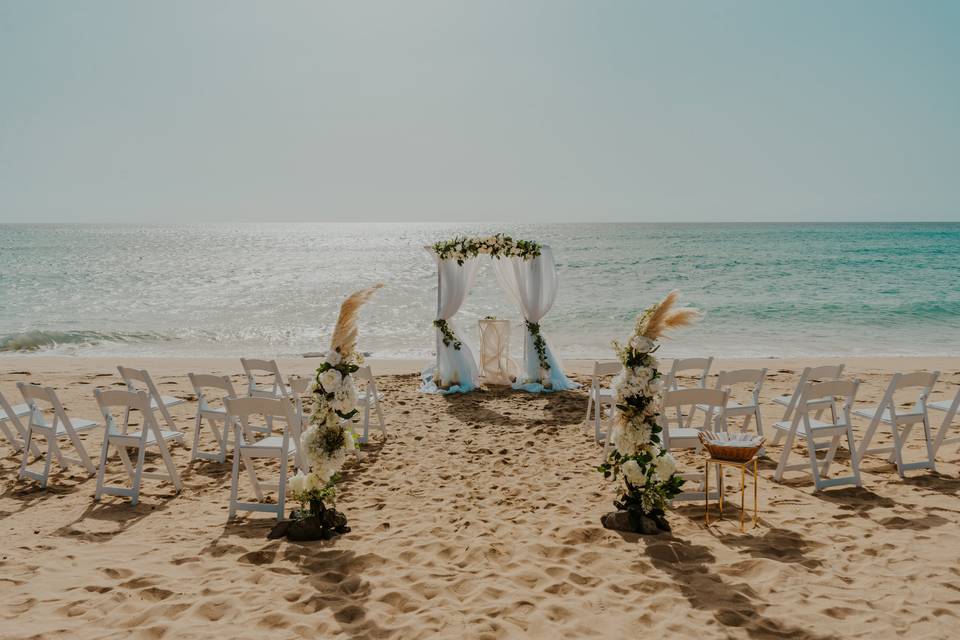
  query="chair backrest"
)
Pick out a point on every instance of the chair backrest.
point(726, 380)
point(922, 380)
point(811, 398)
point(242, 409)
point(41, 399)
point(117, 399)
point(253, 366)
point(713, 402)
point(139, 380)
point(202, 382)
point(811, 374)
point(601, 369)
point(701, 365)
point(7, 413)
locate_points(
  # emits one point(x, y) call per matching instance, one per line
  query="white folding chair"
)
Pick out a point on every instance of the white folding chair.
point(727, 380)
point(599, 397)
point(789, 400)
point(122, 438)
point(713, 402)
point(206, 387)
point(11, 427)
point(368, 397)
point(274, 387)
point(247, 448)
point(950, 409)
point(63, 426)
point(887, 413)
point(805, 425)
point(699, 365)
point(158, 402)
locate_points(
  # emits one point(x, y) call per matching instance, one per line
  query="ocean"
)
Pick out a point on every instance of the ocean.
point(273, 290)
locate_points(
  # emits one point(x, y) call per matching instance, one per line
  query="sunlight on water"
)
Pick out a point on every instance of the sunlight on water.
point(273, 290)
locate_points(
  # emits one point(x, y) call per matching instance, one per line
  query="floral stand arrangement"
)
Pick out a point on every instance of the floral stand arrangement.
point(648, 471)
point(329, 438)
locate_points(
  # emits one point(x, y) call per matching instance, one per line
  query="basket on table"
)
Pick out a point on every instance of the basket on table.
point(735, 447)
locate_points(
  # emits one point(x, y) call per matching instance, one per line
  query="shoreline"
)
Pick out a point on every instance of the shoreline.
point(172, 365)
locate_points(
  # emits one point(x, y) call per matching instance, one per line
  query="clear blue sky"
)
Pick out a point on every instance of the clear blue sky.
point(486, 110)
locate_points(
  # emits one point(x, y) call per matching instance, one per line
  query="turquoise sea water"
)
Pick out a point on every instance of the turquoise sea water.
point(274, 289)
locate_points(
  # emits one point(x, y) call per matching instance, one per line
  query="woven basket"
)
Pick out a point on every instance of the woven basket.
point(732, 453)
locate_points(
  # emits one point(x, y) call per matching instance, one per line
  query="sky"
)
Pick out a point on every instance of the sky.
point(492, 110)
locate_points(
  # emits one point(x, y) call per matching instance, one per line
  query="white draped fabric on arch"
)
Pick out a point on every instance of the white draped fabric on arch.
point(528, 274)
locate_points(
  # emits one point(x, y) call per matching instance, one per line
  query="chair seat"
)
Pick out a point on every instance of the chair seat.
point(871, 412)
point(684, 433)
point(168, 401)
point(732, 404)
point(942, 405)
point(151, 436)
point(362, 397)
point(815, 425)
point(79, 424)
point(18, 410)
point(786, 399)
point(271, 442)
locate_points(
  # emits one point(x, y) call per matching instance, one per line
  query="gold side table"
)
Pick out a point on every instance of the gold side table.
point(743, 466)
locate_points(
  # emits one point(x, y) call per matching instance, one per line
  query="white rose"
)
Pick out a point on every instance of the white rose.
point(333, 357)
point(330, 380)
point(633, 473)
point(341, 402)
point(314, 482)
point(664, 467)
point(297, 483)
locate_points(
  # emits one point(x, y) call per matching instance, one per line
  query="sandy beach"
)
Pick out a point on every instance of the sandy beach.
point(477, 517)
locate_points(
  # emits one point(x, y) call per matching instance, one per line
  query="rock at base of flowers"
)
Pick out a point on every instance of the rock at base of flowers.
point(634, 522)
point(322, 524)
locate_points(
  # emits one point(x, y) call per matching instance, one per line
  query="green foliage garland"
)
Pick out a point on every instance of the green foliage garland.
point(539, 344)
point(497, 246)
point(448, 337)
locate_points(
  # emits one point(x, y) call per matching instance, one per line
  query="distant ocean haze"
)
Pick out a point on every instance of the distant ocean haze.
point(274, 289)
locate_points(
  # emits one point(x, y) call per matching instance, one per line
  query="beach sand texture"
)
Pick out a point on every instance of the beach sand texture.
point(477, 517)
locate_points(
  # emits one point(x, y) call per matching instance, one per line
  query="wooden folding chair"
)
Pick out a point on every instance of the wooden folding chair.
point(713, 402)
point(950, 410)
point(368, 397)
point(727, 380)
point(247, 448)
point(62, 427)
point(901, 422)
point(122, 438)
point(599, 397)
point(12, 428)
point(699, 365)
point(821, 435)
point(215, 416)
point(789, 401)
point(134, 378)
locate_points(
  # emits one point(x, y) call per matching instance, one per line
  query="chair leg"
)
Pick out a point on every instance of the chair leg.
point(102, 468)
point(897, 454)
point(28, 445)
point(234, 479)
point(138, 476)
point(198, 423)
point(784, 457)
point(854, 458)
point(168, 462)
point(383, 425)
point(931, 454)
point(812, 452)
point(366, 422)
point(589, 405)
point(828, 459)
point(252, 475)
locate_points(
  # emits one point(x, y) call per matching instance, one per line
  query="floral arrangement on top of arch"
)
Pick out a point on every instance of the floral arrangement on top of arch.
point(330, 436)
point(649, 472)
point(497, 246)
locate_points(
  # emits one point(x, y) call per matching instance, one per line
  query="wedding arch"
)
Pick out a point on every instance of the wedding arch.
point(527, 272)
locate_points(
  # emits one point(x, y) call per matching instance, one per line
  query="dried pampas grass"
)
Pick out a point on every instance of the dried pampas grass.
point(664, 317)
point(345, 333)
